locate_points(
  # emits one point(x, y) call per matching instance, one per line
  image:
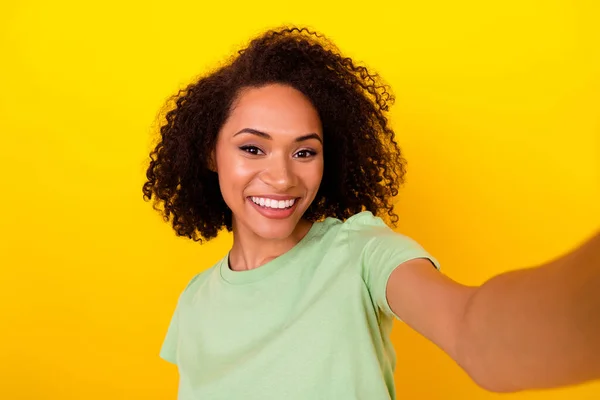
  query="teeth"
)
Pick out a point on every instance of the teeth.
point(276, 204)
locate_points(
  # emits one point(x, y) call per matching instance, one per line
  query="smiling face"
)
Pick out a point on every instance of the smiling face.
point(269, 159)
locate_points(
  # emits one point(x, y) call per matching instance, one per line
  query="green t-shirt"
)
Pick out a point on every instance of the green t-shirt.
point(313, 323)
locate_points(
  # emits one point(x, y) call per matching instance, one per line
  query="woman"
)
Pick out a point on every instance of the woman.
point(288, 147)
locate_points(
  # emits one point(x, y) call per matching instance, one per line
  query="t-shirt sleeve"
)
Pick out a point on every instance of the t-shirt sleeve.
point(168, 350)
point(170, 346)
point(380, 250)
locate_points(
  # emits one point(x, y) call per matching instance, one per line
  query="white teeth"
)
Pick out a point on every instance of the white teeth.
point(275, 204)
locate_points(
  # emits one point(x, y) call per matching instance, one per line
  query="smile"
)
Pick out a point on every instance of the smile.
point(272, 203)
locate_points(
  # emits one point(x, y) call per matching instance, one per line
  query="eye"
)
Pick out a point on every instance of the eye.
point(252, 150)
point(305, 153)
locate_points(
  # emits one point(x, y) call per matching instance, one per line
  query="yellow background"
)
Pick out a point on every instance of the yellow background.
point(497, 111)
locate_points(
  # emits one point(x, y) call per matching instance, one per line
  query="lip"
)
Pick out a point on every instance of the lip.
point(274, 213)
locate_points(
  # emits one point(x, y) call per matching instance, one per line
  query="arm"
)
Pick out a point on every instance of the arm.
point(525, 329)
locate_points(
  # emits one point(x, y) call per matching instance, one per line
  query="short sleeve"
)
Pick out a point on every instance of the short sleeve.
point(170, 345)
point(168, 351)
point(380, 250)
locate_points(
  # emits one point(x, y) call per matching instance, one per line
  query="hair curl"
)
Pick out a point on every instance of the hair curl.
point(363, 169)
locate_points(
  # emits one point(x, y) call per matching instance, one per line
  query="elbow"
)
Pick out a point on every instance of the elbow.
point(486, 378)
point(490, 384)
point(470, 349)
point(481, 373)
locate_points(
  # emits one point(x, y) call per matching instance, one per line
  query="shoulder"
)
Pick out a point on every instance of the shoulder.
point(364, 220)
point(369, 237)
point(197, 281)
point(365, 226)
point(357, 229)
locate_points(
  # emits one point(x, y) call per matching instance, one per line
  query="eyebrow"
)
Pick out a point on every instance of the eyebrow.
point(267, 136)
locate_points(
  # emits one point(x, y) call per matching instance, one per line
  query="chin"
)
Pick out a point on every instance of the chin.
point(275, 230)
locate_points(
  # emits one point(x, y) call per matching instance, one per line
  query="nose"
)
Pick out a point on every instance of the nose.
point(279, 174)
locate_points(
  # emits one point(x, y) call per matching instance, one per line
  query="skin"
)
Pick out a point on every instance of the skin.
point(289, 162)
point(531, 328)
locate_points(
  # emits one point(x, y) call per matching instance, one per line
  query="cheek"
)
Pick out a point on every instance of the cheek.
point(241, 170)
point(312, 176)
point(234, 174)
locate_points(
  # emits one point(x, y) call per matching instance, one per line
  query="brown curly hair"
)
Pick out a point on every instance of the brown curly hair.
point(363, 165)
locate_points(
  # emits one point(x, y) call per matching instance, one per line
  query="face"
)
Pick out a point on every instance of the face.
point(269, 159)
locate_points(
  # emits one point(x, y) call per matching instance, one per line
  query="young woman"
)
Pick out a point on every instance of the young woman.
point(288, 147)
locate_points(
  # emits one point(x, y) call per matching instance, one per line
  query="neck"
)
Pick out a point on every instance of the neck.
point(250, 251)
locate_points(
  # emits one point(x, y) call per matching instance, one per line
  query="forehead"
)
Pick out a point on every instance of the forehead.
point(275, 109)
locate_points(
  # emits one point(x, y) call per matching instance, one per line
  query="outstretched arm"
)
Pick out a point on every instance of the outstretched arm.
point(527, 329)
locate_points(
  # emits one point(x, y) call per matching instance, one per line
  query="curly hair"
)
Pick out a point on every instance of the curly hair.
point(363, 165)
